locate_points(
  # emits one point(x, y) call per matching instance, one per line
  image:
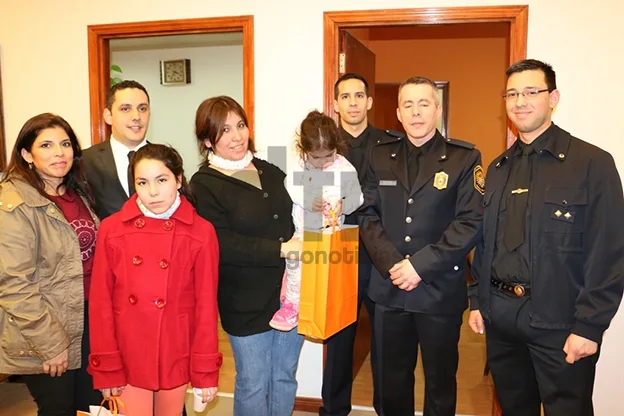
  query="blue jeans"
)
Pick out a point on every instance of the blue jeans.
point(266, 366)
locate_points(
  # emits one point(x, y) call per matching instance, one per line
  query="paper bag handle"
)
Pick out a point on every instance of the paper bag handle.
point(114, 404)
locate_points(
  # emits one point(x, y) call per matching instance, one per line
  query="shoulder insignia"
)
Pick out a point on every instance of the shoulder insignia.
point(395, 134)
point(479, 179)
point(461, 143)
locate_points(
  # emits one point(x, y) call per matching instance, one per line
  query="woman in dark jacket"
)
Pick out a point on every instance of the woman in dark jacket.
point(245, 199)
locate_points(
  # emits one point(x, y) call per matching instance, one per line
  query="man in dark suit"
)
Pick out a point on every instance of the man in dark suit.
point(352, 102)
point(420, 219)
point(550, 263)
point(106, 163)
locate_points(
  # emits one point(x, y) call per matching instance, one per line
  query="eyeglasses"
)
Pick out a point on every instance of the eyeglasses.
point(512, 95)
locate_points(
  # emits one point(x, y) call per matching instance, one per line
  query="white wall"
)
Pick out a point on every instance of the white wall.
point(215, 70)
point(44, 59)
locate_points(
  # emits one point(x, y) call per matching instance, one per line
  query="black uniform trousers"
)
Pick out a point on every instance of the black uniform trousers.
point(528, 364)
point(338, 374)
point(73, 390)
point(398, 335)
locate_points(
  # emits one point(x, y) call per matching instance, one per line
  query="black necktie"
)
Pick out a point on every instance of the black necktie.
point(517, 201)
point(412, 165)
point(130, 175)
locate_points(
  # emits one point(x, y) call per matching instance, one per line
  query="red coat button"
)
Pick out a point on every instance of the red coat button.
point(136, 260)
point(164, 264)
point(219, 361)
point(160, 303)
point(139, 223)
point(132, 299)
point(168, 226)
point(95, 361)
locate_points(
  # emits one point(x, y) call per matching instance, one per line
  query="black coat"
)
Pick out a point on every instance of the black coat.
point(101, 172)
point(251, 224)
point(576, 237)
point(434, 228)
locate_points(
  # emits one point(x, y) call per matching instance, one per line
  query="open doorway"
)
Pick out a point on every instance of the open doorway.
point(443, 44)
point(99, 37)
point(179, 73)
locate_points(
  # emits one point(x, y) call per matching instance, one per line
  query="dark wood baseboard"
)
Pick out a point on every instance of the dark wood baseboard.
point(308, 404)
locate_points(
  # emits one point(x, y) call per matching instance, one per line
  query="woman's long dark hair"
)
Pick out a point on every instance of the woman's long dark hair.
point(170, 158)
point(74, 180)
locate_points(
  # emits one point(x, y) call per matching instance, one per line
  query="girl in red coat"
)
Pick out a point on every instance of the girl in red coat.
point(153, 308)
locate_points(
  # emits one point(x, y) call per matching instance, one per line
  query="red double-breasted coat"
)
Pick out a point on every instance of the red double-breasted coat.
point(153, 305)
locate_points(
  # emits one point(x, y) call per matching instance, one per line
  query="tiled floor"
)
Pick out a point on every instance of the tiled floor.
point(16, 401)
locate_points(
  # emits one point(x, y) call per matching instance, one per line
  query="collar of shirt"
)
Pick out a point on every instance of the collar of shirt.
point(120, 154)
point(355, 141)
point(537, 145)
point(424, 149)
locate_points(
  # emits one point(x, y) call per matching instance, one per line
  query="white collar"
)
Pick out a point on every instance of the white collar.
point(226, 164)
point(165, 215)
point(119, 148)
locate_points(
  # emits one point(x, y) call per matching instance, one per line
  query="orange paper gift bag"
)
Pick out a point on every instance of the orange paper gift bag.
point(329, 281)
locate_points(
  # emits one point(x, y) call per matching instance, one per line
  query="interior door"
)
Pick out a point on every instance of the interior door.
point(356, 57)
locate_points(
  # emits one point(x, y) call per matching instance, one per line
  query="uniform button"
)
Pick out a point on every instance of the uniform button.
point(160, 303)
point(456, 268)
point(275, 216)
point(168, 226)
point(133, 299)
point(9, 206)
point(139, 223)
point(443, 157)
point(410, 201)
point(95, 361)
point(408, 220)
point(136, 260)
point(265, 195)
point(281, 239)
point(31, 353)
point(561, 156)
point(22, 353)
point(407, 256)
point(11, 319)
point(408, 238)
point(164, 264)
point(259, 171)
point(0, 203)
point(51, 210)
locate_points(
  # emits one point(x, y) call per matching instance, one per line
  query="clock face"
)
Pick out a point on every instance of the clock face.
point(174, 71)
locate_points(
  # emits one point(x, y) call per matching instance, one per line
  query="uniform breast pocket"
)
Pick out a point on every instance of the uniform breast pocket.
point(563, 217)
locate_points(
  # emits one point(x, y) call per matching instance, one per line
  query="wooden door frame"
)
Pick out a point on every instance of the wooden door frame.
point(333, 22)
point(99, 37)
point(3, 150)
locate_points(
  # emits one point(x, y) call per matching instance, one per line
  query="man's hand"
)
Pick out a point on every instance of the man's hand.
point(577, 347)
point(114, 391)
point(404, 276)
point(475, 320)
point(57, 365)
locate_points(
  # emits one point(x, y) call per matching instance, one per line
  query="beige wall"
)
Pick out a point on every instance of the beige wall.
point(44, 68)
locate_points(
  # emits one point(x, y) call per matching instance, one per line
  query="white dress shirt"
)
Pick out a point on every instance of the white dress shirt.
point(120, 154)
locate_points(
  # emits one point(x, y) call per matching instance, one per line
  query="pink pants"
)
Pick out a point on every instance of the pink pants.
point(141, 402)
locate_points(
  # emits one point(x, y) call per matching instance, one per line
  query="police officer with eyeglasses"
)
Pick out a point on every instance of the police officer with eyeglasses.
point(549, 266)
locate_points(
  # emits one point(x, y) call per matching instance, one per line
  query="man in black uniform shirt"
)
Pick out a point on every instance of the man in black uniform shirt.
point(550, 263)
point(419, 221)
point(352, 102)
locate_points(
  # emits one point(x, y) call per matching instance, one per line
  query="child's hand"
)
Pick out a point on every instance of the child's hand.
point(114, 391)
point(317, 204)
point(208, 394)
point(338, 208)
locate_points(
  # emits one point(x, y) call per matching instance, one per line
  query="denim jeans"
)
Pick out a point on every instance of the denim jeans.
point(266, 366)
